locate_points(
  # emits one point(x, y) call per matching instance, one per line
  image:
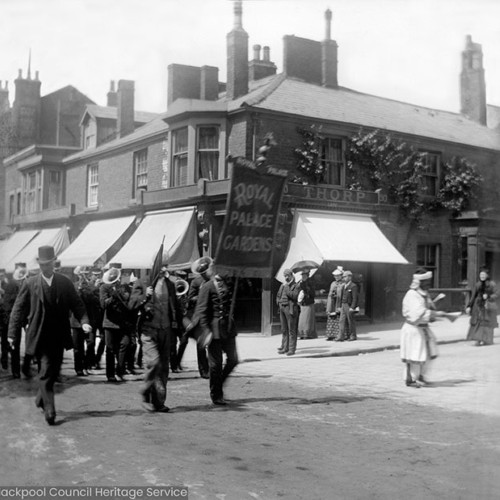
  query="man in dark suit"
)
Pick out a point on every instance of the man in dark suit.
point(289, 310)
point(215, 316)
point(160, 314)
point(44, 303)
point(349, 303)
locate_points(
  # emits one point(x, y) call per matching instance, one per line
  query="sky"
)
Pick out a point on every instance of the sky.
point(407, 50)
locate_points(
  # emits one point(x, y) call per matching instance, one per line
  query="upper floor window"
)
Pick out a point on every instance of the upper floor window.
point(428, 258)
point(140, 171)
point(92, 185)
point(33, 191)
point(332, 158)
point(180, 157)
point(430, 179)
point(55, 189)
point(208, 152)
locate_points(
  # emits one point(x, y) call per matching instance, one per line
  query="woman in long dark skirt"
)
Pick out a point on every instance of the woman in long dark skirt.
point(483, 310)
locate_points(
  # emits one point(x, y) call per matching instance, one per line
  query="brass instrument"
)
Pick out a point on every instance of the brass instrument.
point(181, 287)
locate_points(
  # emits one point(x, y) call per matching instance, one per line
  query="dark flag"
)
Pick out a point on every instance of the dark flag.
point(157, 264)
point(245, 246)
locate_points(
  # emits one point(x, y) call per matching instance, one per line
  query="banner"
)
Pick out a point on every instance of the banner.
point(245, 246)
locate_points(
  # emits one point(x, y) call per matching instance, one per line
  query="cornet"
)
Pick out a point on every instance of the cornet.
point(181, 287)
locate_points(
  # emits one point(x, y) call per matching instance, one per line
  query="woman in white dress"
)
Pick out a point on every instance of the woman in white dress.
point(418, 343)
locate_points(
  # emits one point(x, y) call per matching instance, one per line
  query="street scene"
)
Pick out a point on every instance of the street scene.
point(249, 249)
point(344, 425)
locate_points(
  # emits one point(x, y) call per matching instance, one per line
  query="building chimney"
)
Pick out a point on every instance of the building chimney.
point(209, 83)
point(26, 110)
point(329, 49)
point(260, 68)
point(472, 82)
point(237, 56)
point(4, 97)
point(112, 96)
point(125, 122)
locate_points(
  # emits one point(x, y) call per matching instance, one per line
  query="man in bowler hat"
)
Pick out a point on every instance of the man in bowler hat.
point(44, 303)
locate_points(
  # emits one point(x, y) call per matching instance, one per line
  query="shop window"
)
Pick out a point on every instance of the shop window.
point(208, 152)
point(180, 157)
point(464, 258)
point(430, 180)
point(12, 202)
point(332, 158)
point(428, 258)
point(140, 171)
point(92, 185)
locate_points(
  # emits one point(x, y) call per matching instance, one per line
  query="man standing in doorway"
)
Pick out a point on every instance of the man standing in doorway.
point(44, 303)
point(349, 303)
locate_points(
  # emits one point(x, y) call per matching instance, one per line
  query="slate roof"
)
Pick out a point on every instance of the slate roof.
point(288, 95)
point(156, 126)
point(110, 112)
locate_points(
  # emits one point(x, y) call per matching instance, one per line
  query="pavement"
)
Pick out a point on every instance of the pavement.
point(371, 338)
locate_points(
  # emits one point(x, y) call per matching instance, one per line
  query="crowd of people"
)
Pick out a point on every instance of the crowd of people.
point(147, 323)
point(134, 323)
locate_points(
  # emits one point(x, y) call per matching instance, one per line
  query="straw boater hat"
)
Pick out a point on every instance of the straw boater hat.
point(46, 254)
point(20, 273)
point(79, 270)
point(338, 271)
point(201, 265)
point(111, 276)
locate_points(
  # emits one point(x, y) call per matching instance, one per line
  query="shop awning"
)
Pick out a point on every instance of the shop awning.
point(12, 246)
point(94, 241)
point(180, 247)
point(340, 237)
point(55, 237)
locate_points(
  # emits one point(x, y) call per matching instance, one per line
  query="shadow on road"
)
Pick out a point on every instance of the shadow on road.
point(450, 383)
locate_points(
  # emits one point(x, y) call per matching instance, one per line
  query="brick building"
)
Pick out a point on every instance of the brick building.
point(169, 178)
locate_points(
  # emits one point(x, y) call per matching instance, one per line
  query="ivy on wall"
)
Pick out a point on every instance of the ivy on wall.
point(377, 161)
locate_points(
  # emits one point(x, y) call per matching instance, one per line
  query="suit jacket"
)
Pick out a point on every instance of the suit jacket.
point(213, 310)
point(350, 295)
point(150, 308)
point(29, 308)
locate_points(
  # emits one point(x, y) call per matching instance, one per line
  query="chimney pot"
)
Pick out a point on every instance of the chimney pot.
point(126, 118)
point(256, 52)
point(238, 14)
point(112, 86)
point(36, 75)
point(267, 53)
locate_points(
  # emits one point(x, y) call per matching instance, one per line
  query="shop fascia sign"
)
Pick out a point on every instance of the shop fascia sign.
point(333, 194)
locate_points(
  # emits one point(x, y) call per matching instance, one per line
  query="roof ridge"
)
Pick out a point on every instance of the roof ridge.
point(266, 90)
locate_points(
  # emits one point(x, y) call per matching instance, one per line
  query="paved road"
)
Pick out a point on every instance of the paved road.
point(316, 428)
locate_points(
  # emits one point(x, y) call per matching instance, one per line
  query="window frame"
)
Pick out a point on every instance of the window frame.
point(341, 164)
point(436, 268)
point(178, 157)
point(435, 176)
point(140, 170)
point(90, 185)
point(200, 151)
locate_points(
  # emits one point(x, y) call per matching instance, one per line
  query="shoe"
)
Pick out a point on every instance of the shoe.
point(413, 383)
point(329, 339)
point(162, 409)
point(219, 402)
point(39, 403)
point(130, 371)
point(112, 380)
point(26, 371)
point(290, 353)
point(351, 340)
point(422, 381)
point(81, 373)
point(97, 366)
point(121, 378)
point(339, 340)
point(204, 375)
point(282, 351)
point(175, 370)
point(50, 417)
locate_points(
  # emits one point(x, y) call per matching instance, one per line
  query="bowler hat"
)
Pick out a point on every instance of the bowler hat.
point(19, 264)
point(111, 276)
point(116, 265)
point(46, 254)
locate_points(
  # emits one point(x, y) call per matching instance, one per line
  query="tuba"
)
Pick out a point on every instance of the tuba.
point(181, 287)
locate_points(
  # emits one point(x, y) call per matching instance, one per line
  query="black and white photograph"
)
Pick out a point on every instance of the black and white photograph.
point(250, 249)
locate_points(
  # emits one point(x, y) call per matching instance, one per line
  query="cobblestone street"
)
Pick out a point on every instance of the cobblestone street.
point(337, 427)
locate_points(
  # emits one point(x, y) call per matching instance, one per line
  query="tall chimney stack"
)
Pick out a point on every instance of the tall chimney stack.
point(237, 56)
point(472, 82)
point(125, 122)
point(329, 49)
